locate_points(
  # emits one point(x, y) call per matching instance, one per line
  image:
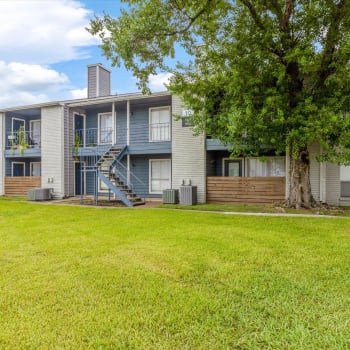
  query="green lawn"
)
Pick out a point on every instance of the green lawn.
point(87, 278)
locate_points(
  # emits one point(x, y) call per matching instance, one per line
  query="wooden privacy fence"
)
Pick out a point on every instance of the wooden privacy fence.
point(253, 190)
point(19, 185)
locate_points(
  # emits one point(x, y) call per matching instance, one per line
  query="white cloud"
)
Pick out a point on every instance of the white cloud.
point(78, 93)
point(27, 83)
point(156, 82)
point(44, 32)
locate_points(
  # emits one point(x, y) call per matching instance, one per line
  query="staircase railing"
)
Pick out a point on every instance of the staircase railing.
point(92, 157)
point(115, 189)
point(129, 178)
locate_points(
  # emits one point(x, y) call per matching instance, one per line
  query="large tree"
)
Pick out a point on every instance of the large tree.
point(264, 73)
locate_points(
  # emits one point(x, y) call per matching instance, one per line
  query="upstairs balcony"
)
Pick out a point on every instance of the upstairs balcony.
point(22, 143)
point(141, 138)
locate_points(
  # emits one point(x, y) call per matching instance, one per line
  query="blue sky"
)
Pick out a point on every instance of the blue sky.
point(45, 50)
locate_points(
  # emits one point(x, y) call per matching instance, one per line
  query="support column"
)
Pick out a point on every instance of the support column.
point(114, 137)
point(128, 138)
point(128, 122)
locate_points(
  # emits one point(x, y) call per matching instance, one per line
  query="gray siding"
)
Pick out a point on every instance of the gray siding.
point(99, 81)
point(52, 151)
point(104, 85)
point(68, 158)
point(188, 155)
point(2, 158)
point(332, 184)
point(92, 81)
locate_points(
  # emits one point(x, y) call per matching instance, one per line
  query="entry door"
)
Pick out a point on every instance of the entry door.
point(106, 128)
point(233, 168)
point(79, 179)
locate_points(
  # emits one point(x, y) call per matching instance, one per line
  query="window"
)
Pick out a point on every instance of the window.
point(105, 127)
point(273, 166)
point(232, 167)
point(35, 169)
point(159, 124)
point(160, 174)
point(18, 169)
point(344, 181)
point(35, 133)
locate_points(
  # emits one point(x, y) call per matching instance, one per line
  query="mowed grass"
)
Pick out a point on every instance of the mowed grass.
point(87, 278)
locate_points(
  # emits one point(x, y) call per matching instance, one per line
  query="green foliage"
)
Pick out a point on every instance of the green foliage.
point(77, 143)
point(263, 73)
point(87, 278)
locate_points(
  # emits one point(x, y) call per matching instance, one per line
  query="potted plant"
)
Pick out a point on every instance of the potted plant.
point(22, 142)
point(76, 145)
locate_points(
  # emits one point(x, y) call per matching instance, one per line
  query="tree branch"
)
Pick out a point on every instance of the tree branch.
point(331, 42)
point(191, 20)
point(253, 13)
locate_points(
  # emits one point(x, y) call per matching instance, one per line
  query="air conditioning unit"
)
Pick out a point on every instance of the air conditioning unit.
point(31, 195)
point(188, 195)
point(171, 196)
point(39, 194)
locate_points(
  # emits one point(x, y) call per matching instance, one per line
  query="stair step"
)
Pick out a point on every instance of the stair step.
point(134, 204)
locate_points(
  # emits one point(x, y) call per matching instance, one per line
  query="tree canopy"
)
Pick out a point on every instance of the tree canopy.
point(264, 73)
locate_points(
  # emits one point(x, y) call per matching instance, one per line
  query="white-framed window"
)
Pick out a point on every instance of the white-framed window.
point(159, 175)
point(344, 181)
point(35, 132)
point(272, 166)
point(159, 124)
point(233, 167)
point(18, 168)
point(17, 124)
point(35, 169)
point(106, 132)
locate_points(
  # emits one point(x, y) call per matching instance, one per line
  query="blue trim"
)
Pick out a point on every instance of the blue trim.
point(29, 152)
point(216, 145)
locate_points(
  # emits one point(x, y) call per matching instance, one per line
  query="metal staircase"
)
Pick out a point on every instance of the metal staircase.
point(105, 163)
point(111, 172)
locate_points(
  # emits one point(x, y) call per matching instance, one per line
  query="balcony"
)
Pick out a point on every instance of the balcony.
point(142, 139)
point(22, 143)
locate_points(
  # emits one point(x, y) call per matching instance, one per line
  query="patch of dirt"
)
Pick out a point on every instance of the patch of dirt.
point(103, 202)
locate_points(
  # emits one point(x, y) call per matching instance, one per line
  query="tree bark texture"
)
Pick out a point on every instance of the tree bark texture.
point(300, 195)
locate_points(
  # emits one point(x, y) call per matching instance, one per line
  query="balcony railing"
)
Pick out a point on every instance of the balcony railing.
point(140, 133)
point(22, 140)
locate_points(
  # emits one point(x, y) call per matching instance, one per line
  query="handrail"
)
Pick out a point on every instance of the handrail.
point(139, 133)
point(22, 138)
point(121, 171)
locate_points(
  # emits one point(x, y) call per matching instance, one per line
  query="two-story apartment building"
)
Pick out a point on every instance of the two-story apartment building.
point(134, 146)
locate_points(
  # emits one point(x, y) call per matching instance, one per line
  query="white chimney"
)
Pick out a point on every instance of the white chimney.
point(99, 80)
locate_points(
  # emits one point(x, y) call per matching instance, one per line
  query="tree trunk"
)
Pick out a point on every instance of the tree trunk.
point(300, 195)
